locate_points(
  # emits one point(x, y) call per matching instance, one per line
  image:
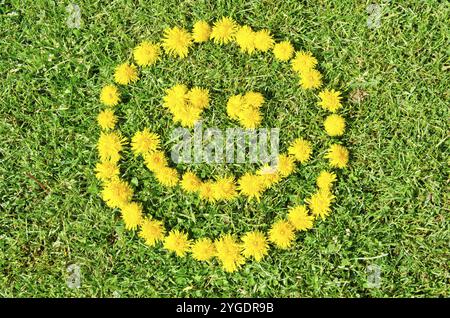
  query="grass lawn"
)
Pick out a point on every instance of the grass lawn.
point(391, 213)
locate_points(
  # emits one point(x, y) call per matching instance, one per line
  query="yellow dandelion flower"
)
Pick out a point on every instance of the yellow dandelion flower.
point(320, 203)
point(132, 215)
point(283, 51)
point(207, 191)
point(310, 79)
point(203, 249)
point(144, 142)
point(263, 40)
point(155, 161)
point(116, 193)
point(338, 156)
point(167, 176)
point(151, 231)
point(281, 234)
point(250, 118)
point(330, 100)
point(301, 150)
point(177, 41)
point(109, 95)
point(177, 242)
point(245, 38)
point(224, 188)
point(201, 31)
point(106, 170)
point(125, 74)
point(199, 97)
point(190, 182)
point(303, 62)
point(224, 30)
point(253, 99)
point(325, 180)
point(255, 245)
point(176, 97)
point(146, 53)
point(109, 145)
point(269, 176)
point(187, 116)
point(299, 218)
point(334, 125)
point(229, 253)
point(251, 186)
point(286, 165)
point(106, 119)
point(234, 106)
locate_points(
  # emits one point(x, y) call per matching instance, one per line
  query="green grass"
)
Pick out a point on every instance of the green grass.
point(392, 202)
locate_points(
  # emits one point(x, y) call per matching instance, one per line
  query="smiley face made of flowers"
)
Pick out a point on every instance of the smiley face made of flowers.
point(186, 106)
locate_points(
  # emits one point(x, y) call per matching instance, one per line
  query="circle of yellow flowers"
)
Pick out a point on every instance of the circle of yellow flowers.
point(186, 106)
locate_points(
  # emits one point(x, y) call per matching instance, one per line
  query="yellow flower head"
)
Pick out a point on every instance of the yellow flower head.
point(146, 53)
point(285, 165)
point(155, 161)
point(177, 41)
point(282, 234)
point(187, 116)
point(299, 218)
point(330, 100)
point(255, 245)
point(283, 51)
point(234, 106)
point(269, 176)
point(224, 188)
point(201, 31)
point(116, 193)
point(190, 182)
point(109, 95)
point(144, 142)
point(132, 215)
point(303, 62)
point(125, 74)
point(229, 253)
point(320, 203)
point(338, 156)
point(207, 191)
point(151, 231)
point(263, 40)
point(177, 242)
point(109, 145)
point(310, 79)
point(334, 125)
point(199, 97)
point(251, 186)
point(245, 38)
point(250, 118)
point(176, 97)
point(186, 106)
point(203, 249)
point(253, 100)
point(106, 119)
point(167, 176)
point(300, 149)
point(224, 30)
point(246, 109)
point(106, 170)
point(325, 180)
